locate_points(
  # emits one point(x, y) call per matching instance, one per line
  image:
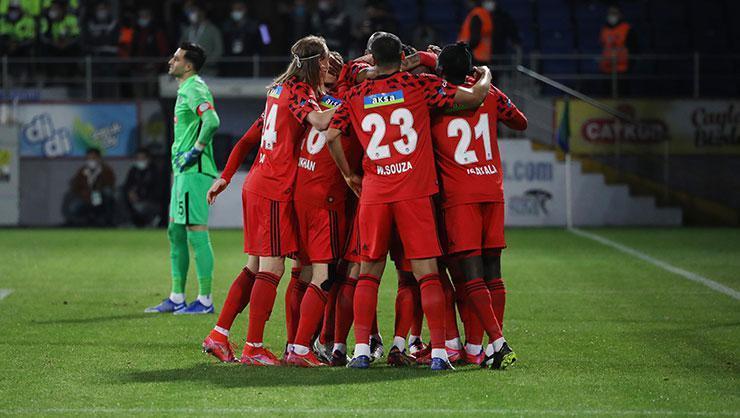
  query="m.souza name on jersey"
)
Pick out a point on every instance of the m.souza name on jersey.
point(395, 168)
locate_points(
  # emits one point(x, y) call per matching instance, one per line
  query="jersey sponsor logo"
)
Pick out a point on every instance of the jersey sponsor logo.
point(330, 102)
point(307, 164)
point(395, 168)
point(383, 99)
point(486, 170)
point(275, 91)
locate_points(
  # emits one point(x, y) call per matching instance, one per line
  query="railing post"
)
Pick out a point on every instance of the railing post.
point(615, 87)
point(88, 78)
point(696, 74)
point(6, 77)
point(255, 66)
point(666, 169)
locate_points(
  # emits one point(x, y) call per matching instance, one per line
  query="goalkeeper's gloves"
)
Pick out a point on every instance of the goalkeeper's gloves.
point(186, 159)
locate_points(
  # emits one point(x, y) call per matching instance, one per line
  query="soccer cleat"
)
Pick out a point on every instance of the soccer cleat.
point(359, 362)
point(322, 351)
point(195, 308)
point(167, 306)
point(424, 357)
point(220, 350)
point(338, 359)
point(474, 358)
point(303, 360)
point(440, 364)
point(398, 358)
point(503, 358)
point(455, 356)
point(416, 346)
point(258, 356)
point(376, 347)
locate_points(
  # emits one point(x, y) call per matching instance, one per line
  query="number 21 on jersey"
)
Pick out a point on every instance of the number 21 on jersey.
point(461, 128)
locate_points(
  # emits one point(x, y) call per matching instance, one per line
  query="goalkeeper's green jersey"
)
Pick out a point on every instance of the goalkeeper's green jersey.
point(193, 98)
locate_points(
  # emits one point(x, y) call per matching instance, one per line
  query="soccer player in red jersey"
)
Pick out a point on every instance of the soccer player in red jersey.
point(390, 115)
point(472, 194)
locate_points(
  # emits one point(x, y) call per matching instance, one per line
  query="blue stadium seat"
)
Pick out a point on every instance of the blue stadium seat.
point(588, 37)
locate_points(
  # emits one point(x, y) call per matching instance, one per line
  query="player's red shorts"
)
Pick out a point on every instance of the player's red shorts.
point(474, 227)
point(413, 219)
point(352, 249)
point(397, 255)
point(322, 233)
point(269, 226)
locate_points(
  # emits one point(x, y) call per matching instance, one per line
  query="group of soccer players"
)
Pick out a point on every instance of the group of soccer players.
point(393, 151)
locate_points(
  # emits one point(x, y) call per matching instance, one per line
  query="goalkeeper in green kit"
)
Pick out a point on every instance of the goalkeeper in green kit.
point(194, 170)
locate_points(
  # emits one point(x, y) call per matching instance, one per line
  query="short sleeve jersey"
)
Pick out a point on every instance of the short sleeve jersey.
point(319, 180)
point(390, 116)
point(466, 150)
point(193, 99)
point(274, 170)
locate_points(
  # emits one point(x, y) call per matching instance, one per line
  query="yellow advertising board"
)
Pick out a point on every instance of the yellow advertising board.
point(676, 126)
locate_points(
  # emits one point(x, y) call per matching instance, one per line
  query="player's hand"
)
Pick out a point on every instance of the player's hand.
point(354, 182)
point(366, 58)
point(480, 70)
point(335, 66)
point(218, 186)
point(184, 160)
point(434, 49)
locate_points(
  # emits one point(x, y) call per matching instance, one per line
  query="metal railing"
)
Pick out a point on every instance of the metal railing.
point(91, 77)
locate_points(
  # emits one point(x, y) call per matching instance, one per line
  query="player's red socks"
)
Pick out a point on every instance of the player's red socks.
point(498, 297)
point(405, 304)
point(433, 304)
point(293, 297)
point(327, 326)
point(237, 298)
point(312, 309)
point(260, 304)
point(418, 312)
point(364, 306)
point(451, 331)
point(479, 301)
point(344, 314)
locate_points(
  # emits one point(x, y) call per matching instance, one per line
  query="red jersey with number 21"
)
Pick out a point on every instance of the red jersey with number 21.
point(390, 116)
point(274, 170)
point(466, 150)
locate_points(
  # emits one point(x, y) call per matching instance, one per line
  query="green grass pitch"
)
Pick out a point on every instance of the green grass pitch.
point(597, 331)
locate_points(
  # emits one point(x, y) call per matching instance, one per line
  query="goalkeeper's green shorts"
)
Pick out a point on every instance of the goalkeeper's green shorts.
point(188, 204)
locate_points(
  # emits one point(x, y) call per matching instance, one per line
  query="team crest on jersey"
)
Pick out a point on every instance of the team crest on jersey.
point(330, 102)
point(275, 91)
point(383, 99)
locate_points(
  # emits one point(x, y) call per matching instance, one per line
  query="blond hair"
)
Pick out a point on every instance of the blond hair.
point(305, 66)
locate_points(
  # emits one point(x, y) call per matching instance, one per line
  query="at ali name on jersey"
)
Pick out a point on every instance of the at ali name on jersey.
point(396, 168)
point(486, 170)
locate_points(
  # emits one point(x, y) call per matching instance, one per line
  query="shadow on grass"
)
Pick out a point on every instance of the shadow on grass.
point(94, 319)
point(236, 375)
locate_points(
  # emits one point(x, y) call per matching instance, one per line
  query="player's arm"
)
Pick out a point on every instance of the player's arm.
point(334, 143)
point(320, 119)
point(472, 97)
point(508, 113)
point(419, 58)
point(243, 147)
point(210, 123)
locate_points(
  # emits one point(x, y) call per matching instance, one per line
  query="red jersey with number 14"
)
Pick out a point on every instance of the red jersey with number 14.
point(274, 170)
point(390, 115)
point(466, 150)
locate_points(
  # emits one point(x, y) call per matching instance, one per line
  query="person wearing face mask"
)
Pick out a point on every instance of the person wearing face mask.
point(333, 23)
point(89, 201)
point(61, 38)
point(201, 31)
point(17, 35)
point(141, 190)
point(101, 32)
point(477, 31)
point(241, 39)
point(148, 40)
point(617, 40)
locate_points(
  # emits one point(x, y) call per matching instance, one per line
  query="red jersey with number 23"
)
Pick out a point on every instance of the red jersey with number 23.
point(274, 170)
point(466, 150)
point(390, 115)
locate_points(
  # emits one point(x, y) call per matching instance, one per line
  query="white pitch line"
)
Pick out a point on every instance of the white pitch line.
point(362, 411)
point(662, 264)
point(4, 293)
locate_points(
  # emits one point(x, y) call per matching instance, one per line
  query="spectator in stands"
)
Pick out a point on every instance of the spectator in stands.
point(141, 190)
point(148, 41)
point(201, 31)
point(333, 23)
point(241, 39)
point(378, 17)
point(617, 40)
point(61, 38)
point(17, 37)
point(477, 31)
point(101, 34)
point(89, 201)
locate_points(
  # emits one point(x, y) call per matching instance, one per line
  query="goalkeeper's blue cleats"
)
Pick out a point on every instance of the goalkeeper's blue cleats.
point(195, 308)
point(441, 364)
point(167, 306)
point(359, 362)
